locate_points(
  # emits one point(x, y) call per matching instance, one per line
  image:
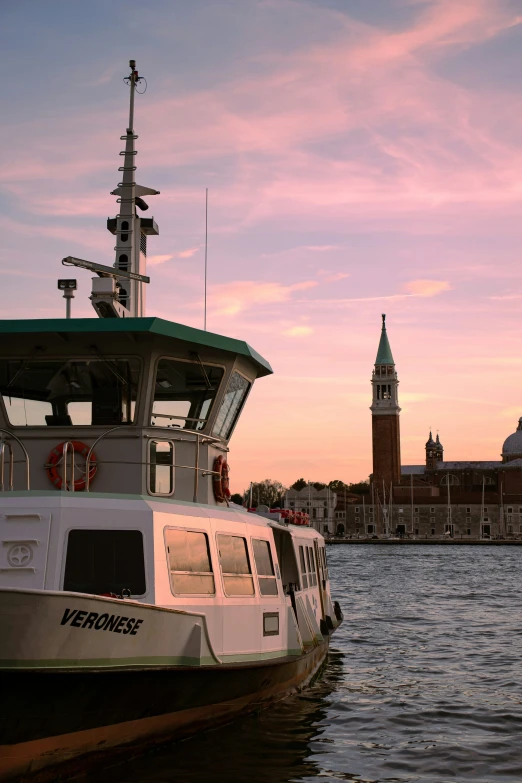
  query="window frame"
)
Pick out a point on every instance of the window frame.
point(313, 564)
point(250, 558)
point(75, 358)
point(302, 567)
point(153, 386)
point(125, 529)
point(266, 576)
point(213, 571)
point(148, 466)
point(225, 382)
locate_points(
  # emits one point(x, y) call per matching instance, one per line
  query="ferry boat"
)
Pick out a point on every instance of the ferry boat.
point(137, 602)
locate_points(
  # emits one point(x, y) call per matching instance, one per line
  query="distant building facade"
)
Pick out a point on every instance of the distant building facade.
point(319, 503)
point(475, 499)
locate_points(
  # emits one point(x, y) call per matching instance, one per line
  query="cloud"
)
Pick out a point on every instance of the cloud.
point(188, 253)
point(427, 287)
point(298, 331)
point(333, 278)
point(231, 298)
point(318, 248)
point(155, 260)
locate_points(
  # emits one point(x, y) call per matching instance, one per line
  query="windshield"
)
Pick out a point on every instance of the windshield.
point(233, 400)
point(184, 393)
point(65, 392)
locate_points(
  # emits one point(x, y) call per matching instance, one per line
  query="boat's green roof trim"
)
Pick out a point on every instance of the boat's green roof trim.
point(135, 325)
point(384, 354)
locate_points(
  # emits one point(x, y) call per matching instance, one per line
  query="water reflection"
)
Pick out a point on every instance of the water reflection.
point(273, 746)
point(424, 685)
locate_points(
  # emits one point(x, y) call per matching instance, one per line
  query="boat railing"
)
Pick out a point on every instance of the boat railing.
point(68, 448)
point(4, 443)
point(198, 439)
point(68, 484)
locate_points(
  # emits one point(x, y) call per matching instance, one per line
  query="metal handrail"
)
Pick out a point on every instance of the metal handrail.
point(68, 444)
point(199, 440)
point(88, 459)
point(3, 444)
point(27, 467)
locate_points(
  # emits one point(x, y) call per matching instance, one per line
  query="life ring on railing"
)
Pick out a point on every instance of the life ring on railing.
point(54, 460)
point(220, 480)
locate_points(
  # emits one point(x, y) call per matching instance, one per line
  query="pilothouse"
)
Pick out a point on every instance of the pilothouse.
point(135, 598)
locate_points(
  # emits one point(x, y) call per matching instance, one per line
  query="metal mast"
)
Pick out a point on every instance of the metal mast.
point(119, 291)
point(131, 230)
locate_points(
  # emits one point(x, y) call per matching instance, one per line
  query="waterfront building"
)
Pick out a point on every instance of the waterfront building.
point(469, 498)
point(318, 503)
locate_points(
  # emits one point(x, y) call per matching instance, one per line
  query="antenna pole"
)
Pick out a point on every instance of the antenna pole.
point(133, 78)
point(206, 249)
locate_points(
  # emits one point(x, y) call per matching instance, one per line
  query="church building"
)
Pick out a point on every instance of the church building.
point(440, 498)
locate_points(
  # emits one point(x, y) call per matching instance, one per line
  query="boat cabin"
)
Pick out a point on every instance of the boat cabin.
point(150, 404)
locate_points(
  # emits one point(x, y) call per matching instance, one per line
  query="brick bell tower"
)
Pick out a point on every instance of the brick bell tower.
point(385, 418)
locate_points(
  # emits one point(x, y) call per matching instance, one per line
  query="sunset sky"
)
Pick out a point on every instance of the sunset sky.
point(362, 156)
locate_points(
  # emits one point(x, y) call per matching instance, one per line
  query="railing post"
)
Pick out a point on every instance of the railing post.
point(65, 454)
point(196, 471)
point(89, 455)
point(3, 444)
point(11, 459)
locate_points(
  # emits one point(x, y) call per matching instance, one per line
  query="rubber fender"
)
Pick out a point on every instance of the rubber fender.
point(323, 625)
point(338, 613)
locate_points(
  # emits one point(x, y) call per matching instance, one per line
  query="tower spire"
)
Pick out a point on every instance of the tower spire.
point(385, 415)
point(384, 354)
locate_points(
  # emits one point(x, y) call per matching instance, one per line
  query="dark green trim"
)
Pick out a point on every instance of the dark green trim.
point(157, 326)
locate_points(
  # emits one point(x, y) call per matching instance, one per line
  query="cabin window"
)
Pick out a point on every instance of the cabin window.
point(230, 409)
point(270, 623)
point(303, 567)
point(184, 393)
point(161, 467)
point(235, 565)
point(311, 564)
point(264, 567)
point(105, 561)
point(189, 562)
point(325, 561)
point(60, 393)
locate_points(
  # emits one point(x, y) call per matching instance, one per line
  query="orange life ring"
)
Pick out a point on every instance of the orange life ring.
point(54, 459)
point(220, 480)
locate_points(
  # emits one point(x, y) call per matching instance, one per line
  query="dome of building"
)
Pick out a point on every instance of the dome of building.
point(512, 447)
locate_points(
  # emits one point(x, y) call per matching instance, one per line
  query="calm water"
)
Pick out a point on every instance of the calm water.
point(424, 683)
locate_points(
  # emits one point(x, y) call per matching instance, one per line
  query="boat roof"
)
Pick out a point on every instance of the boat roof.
point(155, 326)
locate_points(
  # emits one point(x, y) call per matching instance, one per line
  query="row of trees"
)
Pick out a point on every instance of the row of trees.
point(357, 488)
point(271, 493)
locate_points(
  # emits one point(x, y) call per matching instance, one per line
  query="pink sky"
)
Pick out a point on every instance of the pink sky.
point(361, 157)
